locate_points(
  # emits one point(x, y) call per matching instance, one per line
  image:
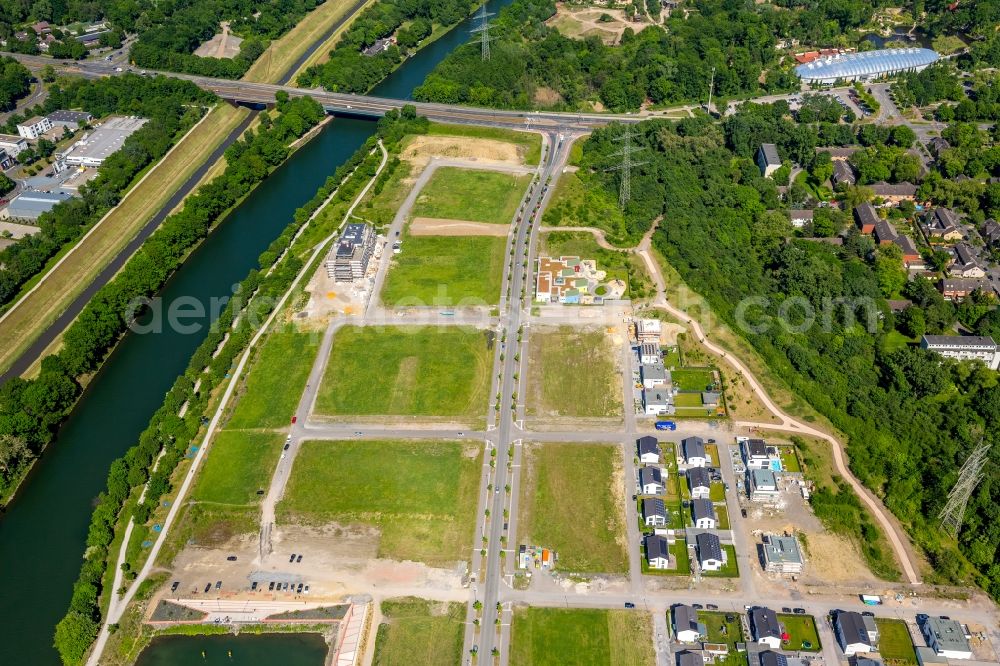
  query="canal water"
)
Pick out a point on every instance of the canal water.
point(43, 533)
point(245, 650)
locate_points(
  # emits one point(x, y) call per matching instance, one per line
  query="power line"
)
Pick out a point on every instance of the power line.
point(625, 166)
point(953, 513)
point(484, 31)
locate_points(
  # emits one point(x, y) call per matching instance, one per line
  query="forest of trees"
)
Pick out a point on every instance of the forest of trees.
point(15, 82)
point(171, 105)
point(349, 71)
point(30, 410)
point(209, 367)
point(911, 417)
point(663, 66)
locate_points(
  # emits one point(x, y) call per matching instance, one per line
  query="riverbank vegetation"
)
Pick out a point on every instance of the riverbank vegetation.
point(910, 417)
point(349, 70)
point(172, 107)
point(207, 370)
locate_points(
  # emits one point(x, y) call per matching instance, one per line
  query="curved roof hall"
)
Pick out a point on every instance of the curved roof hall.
point(867, 63)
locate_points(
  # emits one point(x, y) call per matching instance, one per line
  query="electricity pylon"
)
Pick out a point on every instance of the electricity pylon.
point(625, 166)
point(953, 513)
point(484, 31)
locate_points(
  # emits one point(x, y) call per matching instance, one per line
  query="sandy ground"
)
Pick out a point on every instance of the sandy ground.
point(329, 298)
point(435, 226)
point(337, 561)
point(579, 22)
point(222, 45)
point(422, 148)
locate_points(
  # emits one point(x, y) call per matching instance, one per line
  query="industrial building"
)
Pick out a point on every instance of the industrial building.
point(70, 119)
point(865, 66)
point(97, 145)
point(351, 253)
point(30, 205)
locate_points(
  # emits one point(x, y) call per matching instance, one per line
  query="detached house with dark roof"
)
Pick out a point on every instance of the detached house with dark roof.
point(699, 482)
point(651, 480)
point(866, 217)
point(942, 225)
point(694, 451)
point(991, 232)
point(703, 514)
point(843, 173)
point(768, 160)
point(687, 628)
point(709, 551)
point(765, 627)
point(649, 450)
point(654, 513)
point(964, 263)
point(854, 634)
point(657, 551)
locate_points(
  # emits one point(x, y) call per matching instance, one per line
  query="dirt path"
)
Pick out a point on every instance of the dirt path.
point(894, 532)
point(602, 240)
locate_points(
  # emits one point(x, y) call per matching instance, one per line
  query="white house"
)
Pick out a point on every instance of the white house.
point(32, 128)
point(762, 485)
point(657, 551)
point(654, 513)
point(709, 551)
point(703, 512)
point(13, 144)
point(656, 402)
point(765, 627)
point(755, 455)
point(687, 629)
point(654, 375)
point(651, 480)
point(767, 159)
point(648, 330)
point(699, 482)
point(649, 450)
point(694, 451)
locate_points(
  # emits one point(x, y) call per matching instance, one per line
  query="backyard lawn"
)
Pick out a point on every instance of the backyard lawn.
point(471, 194)
point(420, 370)
point(789, 460)
point(802, 632)
point(692, 379)
point(730, 632)
point(421, 494)
point(585, 477)
point(688, 400)
point(276, 379)
point(895, 644)
point(571, 372)
point(585, 637)
point(236, 465)
point(445, 271)
point(419, 633)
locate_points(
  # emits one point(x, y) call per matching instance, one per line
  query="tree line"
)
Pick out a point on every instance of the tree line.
point(171, 105)
point(350, 71)
point(15, 82)
point(910, 416)
point(31, 410)
point(209, 367)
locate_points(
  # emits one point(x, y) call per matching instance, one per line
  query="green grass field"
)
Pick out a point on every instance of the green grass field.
point(529, 143)
point(731, 569)
point(802, 632)
point(419, 370)
point(276, 379)
point(471, 194)
point(236, 466)
point(422, 495)
point(572, 373)
point(688, 400)
point(895, 644)
point(789, 459)
point(553, 636)
point(445, 271)
point(581, 476)
point(688, 379)
point(419, 633)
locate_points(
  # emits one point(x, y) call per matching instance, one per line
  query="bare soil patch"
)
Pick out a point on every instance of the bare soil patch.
point(421, 149)
point(583, 22)
point(222, 45)
point(436, 226)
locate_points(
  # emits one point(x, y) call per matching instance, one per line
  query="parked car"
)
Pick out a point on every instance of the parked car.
point(292, 558)
point(298, 559)
point(286, 446)
point(231, 558)
point(270, 586)
point(697, 606)
point(786, 609)
point(218, 584)
point(253, 586)
point(208, 587)
point(299, 588)
point(799, 611)
point(711, 607)
point(173, 588)
point(629, 604)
